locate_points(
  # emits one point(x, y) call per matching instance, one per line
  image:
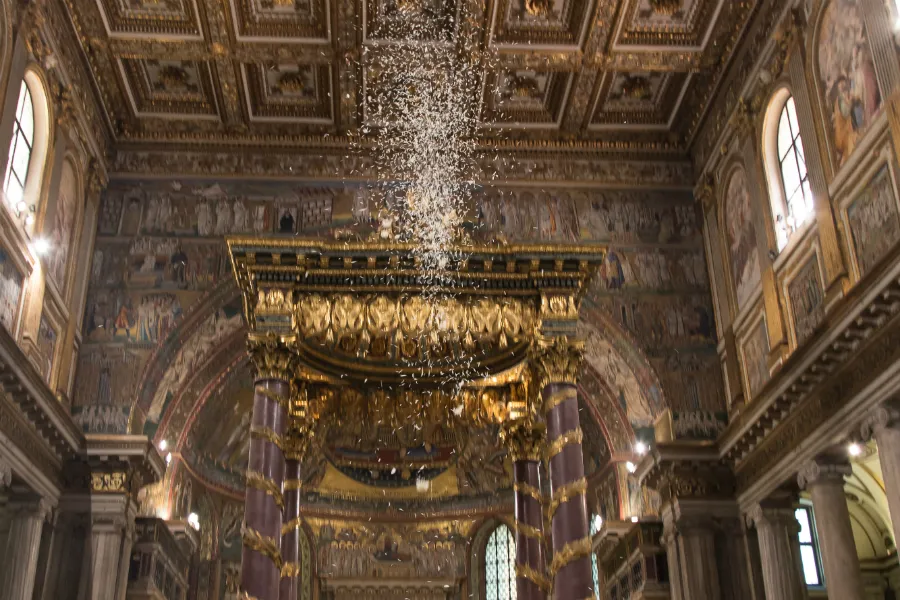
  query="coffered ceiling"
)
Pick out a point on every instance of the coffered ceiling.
point(632, 75)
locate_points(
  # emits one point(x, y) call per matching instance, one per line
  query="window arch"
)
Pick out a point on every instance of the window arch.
point(500, 565)
point(20, 147)
point(28, 146)
point(789, 190)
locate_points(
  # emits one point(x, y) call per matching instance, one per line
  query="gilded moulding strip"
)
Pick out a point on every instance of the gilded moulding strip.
point(568, 393)
point(527, 572)
point(291, 525)
point(292, 485)
point(290, 569)
point(268, 435)
point(528, 490)
point(529, 530)
point(574, 436)
point(284, 402)
point(566, 493)
point(266, 546)
point(570, 553)
point(257, 480)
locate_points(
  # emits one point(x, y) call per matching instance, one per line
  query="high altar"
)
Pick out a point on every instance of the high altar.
point(349, 336)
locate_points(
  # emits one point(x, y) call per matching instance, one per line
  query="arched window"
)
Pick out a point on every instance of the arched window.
point(596, 524)
point(28, 148)
point(500, 565)
point(20, 148)
point(791, 196)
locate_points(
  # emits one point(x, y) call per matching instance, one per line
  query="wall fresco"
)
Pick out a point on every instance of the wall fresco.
point(46, 343)
point(159, 256)
point(740, 231)
point(874, 221)
point(755, 358)
point(807, 300)
point(847, 77)
point(11, 281)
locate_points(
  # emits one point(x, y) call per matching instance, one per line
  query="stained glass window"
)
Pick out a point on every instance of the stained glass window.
point(794, 178)
point(500, 565)
point(20, 148)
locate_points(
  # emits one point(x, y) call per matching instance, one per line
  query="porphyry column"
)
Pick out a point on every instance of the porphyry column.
point(556, 361)
point(261, 560)
point(290, 531)
point(525, 442)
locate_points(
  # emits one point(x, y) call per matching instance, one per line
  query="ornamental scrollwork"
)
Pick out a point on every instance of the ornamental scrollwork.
point(114, 482)
point(272, 355)
point(524, 439)
point(556, 360)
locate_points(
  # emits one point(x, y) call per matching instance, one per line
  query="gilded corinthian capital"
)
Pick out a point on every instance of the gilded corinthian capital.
point(272, 355)
point(524, 439)
point(556, 360)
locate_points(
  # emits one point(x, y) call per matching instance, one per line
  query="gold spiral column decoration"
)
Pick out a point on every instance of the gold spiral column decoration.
point(555, 362)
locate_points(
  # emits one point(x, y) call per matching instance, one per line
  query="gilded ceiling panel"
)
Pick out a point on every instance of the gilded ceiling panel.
point(299, 73)
point(169, 87)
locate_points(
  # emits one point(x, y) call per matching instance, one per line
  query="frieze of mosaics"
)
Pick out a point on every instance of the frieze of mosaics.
point(159, 256)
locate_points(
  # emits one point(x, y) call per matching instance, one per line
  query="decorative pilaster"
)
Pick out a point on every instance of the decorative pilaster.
point(104, 573)
point(22, 547)
point(697, 548)
point(825, 483)
point(883, 423)
point(525, 442)
point(882, 44)
point(262, 562)
point(556, 363)
point(697, 492)
point(779, 548)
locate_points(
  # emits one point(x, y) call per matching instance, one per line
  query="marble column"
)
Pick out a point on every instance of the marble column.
point(570, 568)
point(883, 423)
point(290, 531)
point(22, 547)
point(825, 483)
point(261, 560)
point(525, 448)
point(779, 548)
